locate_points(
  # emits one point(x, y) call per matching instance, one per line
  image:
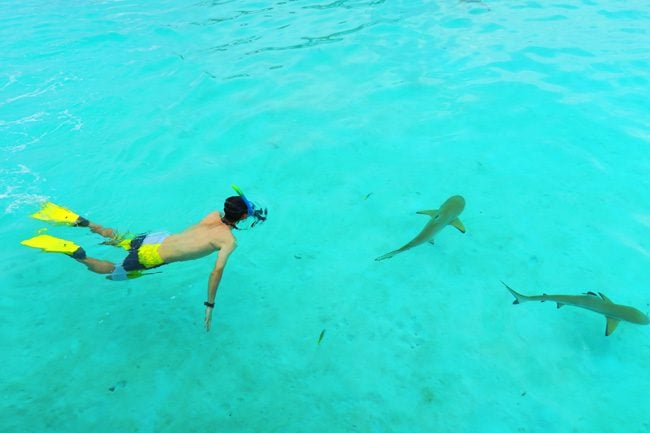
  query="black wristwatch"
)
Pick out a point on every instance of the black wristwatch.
point(209, 304)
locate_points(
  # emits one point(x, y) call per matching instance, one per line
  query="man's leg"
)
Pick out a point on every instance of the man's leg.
point(114, 237)
point(95, 228)
point(106, 232)
point(98, 266)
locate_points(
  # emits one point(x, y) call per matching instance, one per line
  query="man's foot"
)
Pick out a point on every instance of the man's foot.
point(78, 254)
point(81, 222)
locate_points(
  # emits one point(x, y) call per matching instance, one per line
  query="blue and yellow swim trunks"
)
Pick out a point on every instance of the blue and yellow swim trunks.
point(143, 254)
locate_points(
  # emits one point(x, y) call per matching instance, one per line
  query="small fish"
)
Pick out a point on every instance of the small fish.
point(320, 337)
point(600, 303)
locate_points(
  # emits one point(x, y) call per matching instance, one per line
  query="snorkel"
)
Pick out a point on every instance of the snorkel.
point(259, 215)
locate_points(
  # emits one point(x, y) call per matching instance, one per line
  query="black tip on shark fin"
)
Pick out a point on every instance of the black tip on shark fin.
point(515, 302)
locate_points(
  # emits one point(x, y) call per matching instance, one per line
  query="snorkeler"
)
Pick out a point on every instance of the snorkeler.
point(151, 250)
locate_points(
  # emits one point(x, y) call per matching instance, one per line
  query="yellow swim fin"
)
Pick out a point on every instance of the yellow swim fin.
point(51, 244)
point(58, 214)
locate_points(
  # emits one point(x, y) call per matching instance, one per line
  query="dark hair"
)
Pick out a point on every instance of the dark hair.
point(234, 208)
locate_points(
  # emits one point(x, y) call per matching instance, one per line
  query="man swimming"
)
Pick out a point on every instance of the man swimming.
point(151, 250)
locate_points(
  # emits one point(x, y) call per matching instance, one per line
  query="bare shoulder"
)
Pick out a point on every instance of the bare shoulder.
point(228, 238)
point(220, 234)
point(212, 218)
point(223, 241)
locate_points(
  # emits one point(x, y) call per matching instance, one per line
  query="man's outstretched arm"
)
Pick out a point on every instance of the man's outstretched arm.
point(214, 280)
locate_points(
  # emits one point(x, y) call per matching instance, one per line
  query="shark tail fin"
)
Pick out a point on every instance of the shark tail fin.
point(387, 255)
point(519, 298)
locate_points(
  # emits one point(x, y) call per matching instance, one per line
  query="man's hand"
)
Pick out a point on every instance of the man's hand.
point(208, 317)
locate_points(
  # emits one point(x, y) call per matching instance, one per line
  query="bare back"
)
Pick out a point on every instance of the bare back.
point(199, 240)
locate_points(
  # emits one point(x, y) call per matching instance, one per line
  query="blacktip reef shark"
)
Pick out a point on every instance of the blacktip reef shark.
point(440, 218)
point(598, 303)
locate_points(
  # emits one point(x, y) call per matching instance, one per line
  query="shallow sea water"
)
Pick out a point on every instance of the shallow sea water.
point(345, 118)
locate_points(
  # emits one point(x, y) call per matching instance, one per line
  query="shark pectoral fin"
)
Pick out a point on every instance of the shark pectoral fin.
point(431, 212)
point(611, 326)
point(458, 224)
point(560, 305)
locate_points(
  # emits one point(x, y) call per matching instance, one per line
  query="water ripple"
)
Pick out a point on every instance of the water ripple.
point(346, 4)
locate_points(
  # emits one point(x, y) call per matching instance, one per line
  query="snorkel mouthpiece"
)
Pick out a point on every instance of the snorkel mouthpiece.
point(258, 215)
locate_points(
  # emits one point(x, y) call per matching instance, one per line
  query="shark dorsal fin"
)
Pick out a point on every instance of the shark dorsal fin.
point(591, 293)
point(459, 225)
point(611, 326)
point(605, 298)
point(431, 212)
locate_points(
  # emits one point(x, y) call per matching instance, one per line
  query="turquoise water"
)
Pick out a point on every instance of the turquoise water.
point(345, 118)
